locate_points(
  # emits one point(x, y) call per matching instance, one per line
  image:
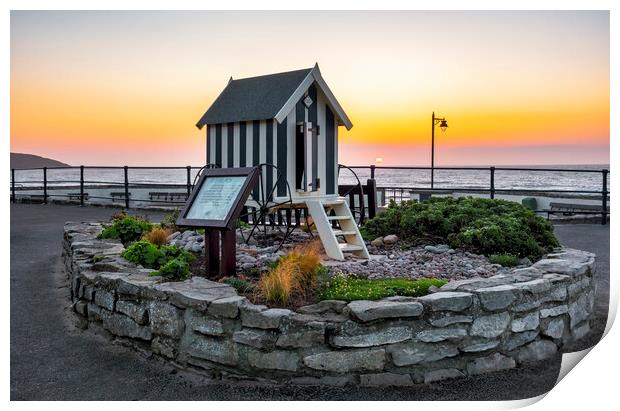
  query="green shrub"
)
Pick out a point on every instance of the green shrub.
point(505, 260)
point(150, 256)
point(352, 288)
point(170, 220)
point(483, 225)
point(126, 229)
point(176, 269)
point(145, 254)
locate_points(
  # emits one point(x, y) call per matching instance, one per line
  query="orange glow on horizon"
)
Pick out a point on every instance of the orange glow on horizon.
point(115, 87)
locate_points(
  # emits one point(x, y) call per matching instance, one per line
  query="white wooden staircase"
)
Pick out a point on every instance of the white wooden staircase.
point(321, 210)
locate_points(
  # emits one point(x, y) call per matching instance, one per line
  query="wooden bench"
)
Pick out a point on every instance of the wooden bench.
point(77, 196)
point(158, 195)
point(569, 209)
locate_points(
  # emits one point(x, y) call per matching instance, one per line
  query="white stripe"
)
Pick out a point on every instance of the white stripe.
point(290, 153)
point(321, 149)
point(225, 146)
point(237, 147)
point(249, 138)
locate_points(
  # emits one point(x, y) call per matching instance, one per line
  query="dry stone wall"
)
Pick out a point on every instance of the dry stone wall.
point(468, 327)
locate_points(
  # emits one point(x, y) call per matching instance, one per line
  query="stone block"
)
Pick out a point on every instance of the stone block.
point(346, 361)
point(564, 266)
point(444, 320)
point(313, 334)
point(417, 353)
point(135, 311)
point(386, 379)
point(274, 360)
point(496, 298)
point(519, 339)
point(255, 338)
point(207, 326)
point(579, 310)
point(479, 345)
point(373, 310)
point(217, 350)
point(441, 334)
point(581, 330)
point(124, 326)
point(260, 318)
point(490, 326)
point(525, 323)
point(105, 299)
point(537, 286)
point(226, 307)
point(553, 311)
point(537, 351)
point(94, 312)
point(373, 337)
point(166, 319)
point(196, 293)
point(323, 306)
point(447, 301)
point(491, 363)
point(442, 374)
point(553, 328)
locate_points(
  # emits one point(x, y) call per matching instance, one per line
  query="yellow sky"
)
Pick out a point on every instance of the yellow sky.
point(128, 87)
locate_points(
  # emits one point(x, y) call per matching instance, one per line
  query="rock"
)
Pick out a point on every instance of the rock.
point(553, 311)
point(226, 307)
point(372, 310)
point(518, 339)
point(526, 323)
point(306, 338)
point(390, 239)
point(123, 326)
point(449, 319)
point(275, 360)
point(346, 361)
point(578, 310)
point(135, 311)
point(437, 249)
point(266, 319)
point(554, 328)
point(490, 326)
point(491, 363)
point(173, 236)
point(387, 336)
point(165, 319)
point(441, 334)
point(206, 326)
point(218, 350)
point(442, 374)
point(581, 331)
point(323, 306)
point(535, 286)
point(525, 261)
point(478, 346)
point(386, 379)
point(497, 298)
point(245, 258)
point(104, 299)
point(255, 338)
point(377, 242)
point(196, 248)
point(559, 265)
point(421, 352)
point(537, 351)
point(447, 301)
point(164, 346)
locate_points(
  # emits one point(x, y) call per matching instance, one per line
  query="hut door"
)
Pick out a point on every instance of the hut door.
point(304, 178)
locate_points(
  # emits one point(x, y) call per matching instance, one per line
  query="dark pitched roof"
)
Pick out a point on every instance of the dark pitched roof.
point(253, 98)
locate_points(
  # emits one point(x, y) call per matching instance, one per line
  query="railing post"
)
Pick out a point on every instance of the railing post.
point(82, 186)
point(604, 192)
point(44, 185)
point(126, 170)
point(189, 180)
point(371, 187)
point(13, 185)
point(492, 191)
point(372, 171)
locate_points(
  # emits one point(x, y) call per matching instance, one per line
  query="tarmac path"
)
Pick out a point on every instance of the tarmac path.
point(51, 359)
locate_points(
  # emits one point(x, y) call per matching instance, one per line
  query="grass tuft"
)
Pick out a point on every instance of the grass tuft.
point(352, 288)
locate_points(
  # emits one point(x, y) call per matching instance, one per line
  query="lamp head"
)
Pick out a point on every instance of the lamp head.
point(444, 125)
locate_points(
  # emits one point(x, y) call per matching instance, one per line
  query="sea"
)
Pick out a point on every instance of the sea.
point(541, 178)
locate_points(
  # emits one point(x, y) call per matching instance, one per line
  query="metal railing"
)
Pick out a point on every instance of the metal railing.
point(47, 186)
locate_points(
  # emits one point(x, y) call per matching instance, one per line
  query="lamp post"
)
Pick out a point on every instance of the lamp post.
point(443, 125)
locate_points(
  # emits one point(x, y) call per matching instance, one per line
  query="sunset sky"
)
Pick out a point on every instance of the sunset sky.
point(115, 88)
